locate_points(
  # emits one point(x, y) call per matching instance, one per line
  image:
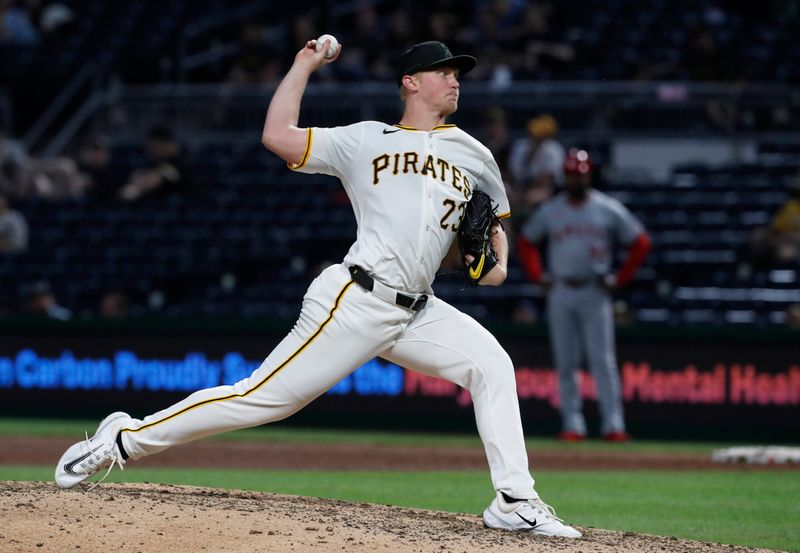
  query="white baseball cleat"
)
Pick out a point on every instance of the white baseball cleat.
point(85, 458)
point(531, 515)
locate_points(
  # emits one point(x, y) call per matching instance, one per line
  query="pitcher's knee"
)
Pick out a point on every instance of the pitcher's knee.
point(495, 366)
point(505, 369)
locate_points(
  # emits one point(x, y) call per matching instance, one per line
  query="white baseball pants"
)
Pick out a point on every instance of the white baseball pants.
point(341, 326)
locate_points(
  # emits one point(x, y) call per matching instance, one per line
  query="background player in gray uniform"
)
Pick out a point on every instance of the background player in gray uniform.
point(581, 226)
point(408, 184)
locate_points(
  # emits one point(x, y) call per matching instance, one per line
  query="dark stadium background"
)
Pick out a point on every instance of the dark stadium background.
point(690, 110)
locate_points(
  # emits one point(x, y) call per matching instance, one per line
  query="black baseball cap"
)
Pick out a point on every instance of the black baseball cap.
point(431, 54)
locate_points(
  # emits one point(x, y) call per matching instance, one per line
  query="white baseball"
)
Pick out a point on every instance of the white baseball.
point(332, 49)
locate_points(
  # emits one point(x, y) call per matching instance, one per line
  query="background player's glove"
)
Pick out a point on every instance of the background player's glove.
point(474, 237)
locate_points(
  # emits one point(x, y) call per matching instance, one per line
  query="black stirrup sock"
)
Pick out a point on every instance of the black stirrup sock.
point(121, 448)
point(510, 499)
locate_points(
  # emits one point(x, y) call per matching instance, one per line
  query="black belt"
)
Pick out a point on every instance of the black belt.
point(365, 280)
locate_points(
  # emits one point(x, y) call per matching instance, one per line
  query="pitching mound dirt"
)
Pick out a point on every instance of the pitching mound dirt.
point(147, 518)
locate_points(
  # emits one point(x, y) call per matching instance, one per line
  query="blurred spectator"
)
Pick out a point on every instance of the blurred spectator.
point(536, 162)
point(786, 116)
point(793, 316)
point(715, 14)
point(13, 228)
point(490, 30)
point(366, 34)
point(16, 23)
point(255, 62)
point(364, 40)
point(24, 176)
point(42, 301)
point(399, 31)
point(495, 136)
point(498, 72)
point(786, 225)
point(114, 305)
point(352, 66)
point(97, 163)
point(538, 156)
point(780, 242)
point(166, 173)
point(53, 179)
point(442, 25)
point(462, 14)
point(544, 51)
point(303, 28)
point(55, 19)
point(704, 59)
point(13, 158)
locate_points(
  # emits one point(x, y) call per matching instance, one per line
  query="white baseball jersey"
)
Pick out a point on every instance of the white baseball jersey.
point(580, 237)
point(408, 189)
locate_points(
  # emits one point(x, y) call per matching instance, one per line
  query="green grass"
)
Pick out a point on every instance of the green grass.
point(289, 434)
point(751, 508)
point(757, 509)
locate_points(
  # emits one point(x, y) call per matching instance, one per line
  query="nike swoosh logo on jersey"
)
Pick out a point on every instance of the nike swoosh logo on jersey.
point(533, 524)
point(475, 273)
point(387, 131)
point(68, 467)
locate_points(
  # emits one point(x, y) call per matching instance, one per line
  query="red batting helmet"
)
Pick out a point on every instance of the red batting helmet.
point(577, 162)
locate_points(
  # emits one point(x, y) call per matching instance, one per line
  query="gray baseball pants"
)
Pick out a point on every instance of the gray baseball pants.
point(582, 330)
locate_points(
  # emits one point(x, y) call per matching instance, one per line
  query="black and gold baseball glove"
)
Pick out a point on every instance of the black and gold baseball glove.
point(474, 237)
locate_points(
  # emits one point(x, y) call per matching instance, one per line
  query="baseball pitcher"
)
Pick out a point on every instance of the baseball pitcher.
point(409, 185)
